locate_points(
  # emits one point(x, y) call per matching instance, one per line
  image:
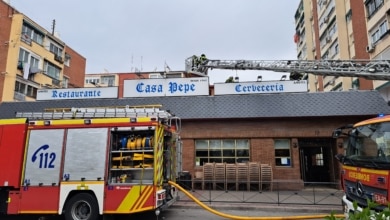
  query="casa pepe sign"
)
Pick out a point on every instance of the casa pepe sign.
point(166, 87)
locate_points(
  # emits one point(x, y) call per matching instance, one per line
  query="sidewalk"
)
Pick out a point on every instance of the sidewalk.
point(302, 202)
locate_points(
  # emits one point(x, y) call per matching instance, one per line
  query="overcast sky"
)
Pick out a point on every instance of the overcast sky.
point(125, 35)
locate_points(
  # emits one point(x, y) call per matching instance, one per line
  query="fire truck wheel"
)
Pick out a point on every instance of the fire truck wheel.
point(82, 206)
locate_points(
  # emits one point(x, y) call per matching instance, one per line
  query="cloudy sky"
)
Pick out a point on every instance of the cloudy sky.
point(125, 35)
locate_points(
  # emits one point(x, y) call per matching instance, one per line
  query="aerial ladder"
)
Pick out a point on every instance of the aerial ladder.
point(368, 69)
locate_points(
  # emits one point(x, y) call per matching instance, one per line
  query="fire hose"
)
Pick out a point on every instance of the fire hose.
point(228, 216)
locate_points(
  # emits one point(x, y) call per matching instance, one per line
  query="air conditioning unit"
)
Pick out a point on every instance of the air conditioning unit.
point(58, 58)
point(328, 39)
point(370, 48)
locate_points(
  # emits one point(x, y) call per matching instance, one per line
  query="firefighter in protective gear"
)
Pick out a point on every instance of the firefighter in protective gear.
point(202, 58)
point(195, 62)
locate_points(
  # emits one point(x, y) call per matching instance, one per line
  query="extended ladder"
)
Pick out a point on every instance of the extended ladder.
point(370, 69)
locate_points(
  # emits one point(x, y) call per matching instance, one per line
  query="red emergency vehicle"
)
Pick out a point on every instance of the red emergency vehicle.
point(365, 164)
point(87, 162)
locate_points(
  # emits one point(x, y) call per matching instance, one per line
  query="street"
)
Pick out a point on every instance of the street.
point(184, 213)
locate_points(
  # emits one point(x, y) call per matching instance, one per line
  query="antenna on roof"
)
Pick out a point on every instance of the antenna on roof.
point(53, 27)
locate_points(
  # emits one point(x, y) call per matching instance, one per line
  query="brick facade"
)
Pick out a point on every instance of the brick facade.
point(76, 70)
point(261, 134)
point(5, 20)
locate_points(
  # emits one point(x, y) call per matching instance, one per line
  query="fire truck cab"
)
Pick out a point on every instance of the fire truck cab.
point(366, 164)
point(86, 162)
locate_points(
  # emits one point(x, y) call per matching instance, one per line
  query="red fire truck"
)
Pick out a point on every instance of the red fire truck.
point(366, 163)
point(88, 162)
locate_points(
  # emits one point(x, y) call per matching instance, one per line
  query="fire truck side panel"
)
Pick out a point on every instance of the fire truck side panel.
point(85, 163)
point(12, 142)
point(43, 161)
point(39, 199)
point(129, 198)
point(85, 154)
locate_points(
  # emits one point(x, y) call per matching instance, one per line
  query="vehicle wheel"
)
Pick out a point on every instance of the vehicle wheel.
point(82, 206)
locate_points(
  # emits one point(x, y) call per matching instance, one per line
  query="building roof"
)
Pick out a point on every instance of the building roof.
point(344, 103)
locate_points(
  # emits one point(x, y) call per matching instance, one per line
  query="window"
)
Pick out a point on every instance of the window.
point(23, 57)
point(25, 90)
point(219, 151)
point(318, 159)
point(109, 80)
point(379, 32)
point(348, 16)
point(282, 153)
point(52, 70)
point(67, 59)
point(27, 60)
point(373, 6)
point(55, 49)
point(93, 81)
point(65, 82)
point(29, 33)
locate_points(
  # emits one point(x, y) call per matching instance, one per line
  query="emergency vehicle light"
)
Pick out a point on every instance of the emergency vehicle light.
point(46, 123)
point(133, 120)
point(87, 121)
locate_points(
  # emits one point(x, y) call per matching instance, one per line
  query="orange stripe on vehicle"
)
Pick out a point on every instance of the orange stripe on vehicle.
point(130, 199)
point(142, 199)
point(157, 164)
point(365, 170)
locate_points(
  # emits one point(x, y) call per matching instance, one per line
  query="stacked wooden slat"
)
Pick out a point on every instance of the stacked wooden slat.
point(254, 174)
point(219, 175)
point(208, 174)
point(266, 175)
point(231, 175)
point(242, 175)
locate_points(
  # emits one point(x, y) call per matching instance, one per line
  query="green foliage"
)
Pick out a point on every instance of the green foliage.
point(366, 214)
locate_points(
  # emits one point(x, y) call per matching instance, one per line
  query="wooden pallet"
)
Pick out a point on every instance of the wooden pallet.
point(266, 175)
point(242, 175)
point(219, 175)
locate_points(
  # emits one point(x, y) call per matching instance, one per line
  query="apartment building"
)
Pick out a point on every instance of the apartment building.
point(378, 47)
point(32, 58)
point(341, 30)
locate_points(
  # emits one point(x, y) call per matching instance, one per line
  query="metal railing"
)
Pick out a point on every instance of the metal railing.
point(275, 192)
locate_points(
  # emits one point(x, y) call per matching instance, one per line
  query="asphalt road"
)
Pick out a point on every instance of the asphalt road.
point(181, 214)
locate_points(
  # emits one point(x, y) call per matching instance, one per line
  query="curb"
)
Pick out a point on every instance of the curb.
point(256, 206)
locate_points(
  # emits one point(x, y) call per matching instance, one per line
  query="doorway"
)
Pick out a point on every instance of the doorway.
point(316, 160)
